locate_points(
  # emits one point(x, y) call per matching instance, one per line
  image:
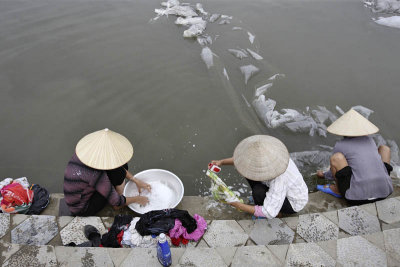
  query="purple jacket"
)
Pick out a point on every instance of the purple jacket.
point(80, 183)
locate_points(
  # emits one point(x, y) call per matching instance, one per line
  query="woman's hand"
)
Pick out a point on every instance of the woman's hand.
point(142, 200)
point(217, 162)
point(142, 185)
point(320, 174)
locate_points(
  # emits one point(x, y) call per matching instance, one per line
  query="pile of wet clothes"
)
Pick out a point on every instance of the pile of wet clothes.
point(129, 231)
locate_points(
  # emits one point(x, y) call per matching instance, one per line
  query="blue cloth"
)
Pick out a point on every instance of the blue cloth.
point(370, 178)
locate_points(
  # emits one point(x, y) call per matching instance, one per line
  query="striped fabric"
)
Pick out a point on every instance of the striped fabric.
point(80, 183)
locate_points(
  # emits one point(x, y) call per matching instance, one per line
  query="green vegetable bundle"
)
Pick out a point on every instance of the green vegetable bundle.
point(220, 190)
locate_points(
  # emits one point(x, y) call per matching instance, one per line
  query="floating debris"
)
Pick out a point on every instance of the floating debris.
point(237, 28)
point(248, 71)
point(366, 112)
point(240, 54)
point(254, 54)
point(207, 57)
point(262, 89)
point(276, 76)
point(226, 74)
point(199, 7)
point(204, 40)
point(251, 37)
point(224, 21)
point(214, 17)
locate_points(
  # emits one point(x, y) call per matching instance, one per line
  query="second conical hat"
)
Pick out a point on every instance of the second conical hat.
point(261, 157)
point(353, 124)
point(104, 150)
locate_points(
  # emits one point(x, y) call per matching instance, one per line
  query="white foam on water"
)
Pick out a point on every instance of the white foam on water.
point(240, 54)
point(207, 56)
point(254, 54)
point(248, 71)
point(160, 197)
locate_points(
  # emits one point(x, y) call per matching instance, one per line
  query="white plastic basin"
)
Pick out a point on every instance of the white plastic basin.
point(156, 175)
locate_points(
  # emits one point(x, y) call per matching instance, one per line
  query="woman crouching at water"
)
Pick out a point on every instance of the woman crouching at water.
point(276, 183)
point(96, 174)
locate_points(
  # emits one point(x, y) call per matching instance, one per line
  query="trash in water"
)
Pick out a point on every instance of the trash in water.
point(275, 76)
point(339, 110)
point(204, 40)
point(251, 37)
point(224, 21)
point(238, 53)
point(199, 7)
point(263, 89)
point(237, 28)
point(189, 21)
point(194, 30)
point(207, 56)
point(366, 112)
point(226, 74)
point(254, 54)
point(248, 71)
point(214, 17)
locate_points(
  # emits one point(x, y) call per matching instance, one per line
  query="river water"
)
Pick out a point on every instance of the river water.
point(71, 67)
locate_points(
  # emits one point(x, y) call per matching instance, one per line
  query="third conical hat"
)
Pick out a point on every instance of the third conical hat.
point(104, 150)
point(352, 123)
point(261, 157)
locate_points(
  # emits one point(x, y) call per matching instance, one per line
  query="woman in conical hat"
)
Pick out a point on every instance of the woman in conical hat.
point(276, 183)
point(360, 169)
point(96, 174)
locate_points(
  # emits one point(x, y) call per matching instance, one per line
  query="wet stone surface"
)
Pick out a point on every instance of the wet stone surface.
point(199, 257)
point(33, 256)
point(308, 254)
point(389, 210)
point(315, 228)
point(271, 232)
point(392, 243)
point(75, 257)
point(225, 233)
point(357, 251)
point(73, 232)
point(36, 230)
point(357, 221)
point(4, 223)
point(254, 256)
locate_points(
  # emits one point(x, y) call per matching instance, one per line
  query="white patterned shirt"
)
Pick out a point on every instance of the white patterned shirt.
point(289, 184)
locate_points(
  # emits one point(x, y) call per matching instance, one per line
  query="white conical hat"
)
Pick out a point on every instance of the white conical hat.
point(352, 123)
point(104, 150)
point(261, 157)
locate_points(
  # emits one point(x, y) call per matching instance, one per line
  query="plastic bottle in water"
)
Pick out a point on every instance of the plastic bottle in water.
point(163, 251)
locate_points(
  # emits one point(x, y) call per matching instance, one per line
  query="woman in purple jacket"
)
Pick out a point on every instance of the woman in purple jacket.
point(96, 174)
point(360, 169)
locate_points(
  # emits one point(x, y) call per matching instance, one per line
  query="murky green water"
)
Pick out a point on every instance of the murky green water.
point(70, 67)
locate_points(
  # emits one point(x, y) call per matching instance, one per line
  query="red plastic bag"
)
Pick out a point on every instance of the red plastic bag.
point(14, 195)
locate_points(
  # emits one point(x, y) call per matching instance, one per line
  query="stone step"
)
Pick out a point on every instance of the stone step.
point(379, 249)
point(375, 225)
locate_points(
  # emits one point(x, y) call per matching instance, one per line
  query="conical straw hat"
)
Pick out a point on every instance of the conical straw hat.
point(261, 157)
point(352, 123)
point(104, 150)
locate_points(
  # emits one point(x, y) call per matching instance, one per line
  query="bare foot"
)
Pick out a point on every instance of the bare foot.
point(334, 189)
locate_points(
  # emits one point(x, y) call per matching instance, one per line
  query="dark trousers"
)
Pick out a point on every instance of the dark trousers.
point(259, 190)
